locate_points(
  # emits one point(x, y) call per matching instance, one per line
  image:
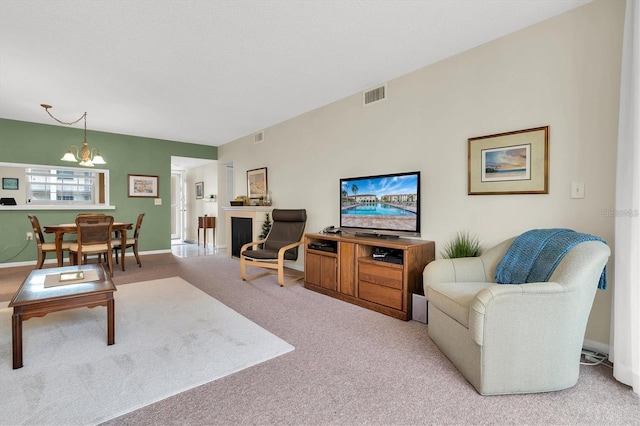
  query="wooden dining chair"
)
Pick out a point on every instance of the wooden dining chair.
point(92, 214)
point(94, 237)
point(43, 246)
point(130, 243)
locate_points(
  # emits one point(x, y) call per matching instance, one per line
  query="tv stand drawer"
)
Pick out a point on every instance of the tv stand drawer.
point(380, 274)
point(380, 294)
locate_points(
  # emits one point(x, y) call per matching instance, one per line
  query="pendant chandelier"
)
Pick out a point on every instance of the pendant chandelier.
point(87, 156)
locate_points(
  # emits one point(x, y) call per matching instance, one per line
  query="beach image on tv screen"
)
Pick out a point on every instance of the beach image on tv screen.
point(383, 202)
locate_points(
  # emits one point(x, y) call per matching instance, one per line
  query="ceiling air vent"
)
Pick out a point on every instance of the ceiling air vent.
point(258, 137)
point(375, 95)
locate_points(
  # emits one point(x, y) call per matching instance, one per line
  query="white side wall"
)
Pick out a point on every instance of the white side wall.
point(563, 72)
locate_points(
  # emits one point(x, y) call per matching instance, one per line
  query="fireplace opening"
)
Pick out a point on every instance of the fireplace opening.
point(241, 233)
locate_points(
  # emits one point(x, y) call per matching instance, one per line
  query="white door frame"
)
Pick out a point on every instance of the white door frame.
point(178, 204)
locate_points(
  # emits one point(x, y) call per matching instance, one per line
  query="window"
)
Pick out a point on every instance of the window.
point(52, 186)
point(45, 187)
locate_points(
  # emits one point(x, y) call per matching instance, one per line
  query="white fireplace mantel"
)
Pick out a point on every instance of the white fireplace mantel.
point(256, 213)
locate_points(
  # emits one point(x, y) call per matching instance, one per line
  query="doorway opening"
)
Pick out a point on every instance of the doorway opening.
point(186, 205)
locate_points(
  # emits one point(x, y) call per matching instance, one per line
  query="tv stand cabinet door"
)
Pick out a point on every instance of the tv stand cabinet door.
point(347, 282)
point(321, 270)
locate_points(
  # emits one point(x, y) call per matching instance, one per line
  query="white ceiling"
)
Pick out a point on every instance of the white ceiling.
point(209, 72)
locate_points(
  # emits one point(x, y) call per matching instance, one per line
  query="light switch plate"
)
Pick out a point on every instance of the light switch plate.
point(158, 201)
point(577, 189)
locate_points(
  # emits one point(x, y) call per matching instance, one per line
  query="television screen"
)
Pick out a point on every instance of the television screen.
point(383, 205)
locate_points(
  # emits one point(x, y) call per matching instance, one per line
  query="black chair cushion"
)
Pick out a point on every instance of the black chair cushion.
point(262, 254)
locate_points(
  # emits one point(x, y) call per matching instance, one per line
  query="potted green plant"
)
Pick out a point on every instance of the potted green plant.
point(266, 227)
point(463, 244)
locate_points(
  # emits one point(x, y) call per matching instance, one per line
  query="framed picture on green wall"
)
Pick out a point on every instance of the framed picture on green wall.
point(143, 186)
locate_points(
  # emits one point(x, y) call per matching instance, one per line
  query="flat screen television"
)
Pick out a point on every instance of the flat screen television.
point(385, 206)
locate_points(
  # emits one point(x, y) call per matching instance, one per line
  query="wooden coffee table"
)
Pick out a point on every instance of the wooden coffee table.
point(34, 300)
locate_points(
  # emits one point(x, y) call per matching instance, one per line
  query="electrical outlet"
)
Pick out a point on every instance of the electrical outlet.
point(29, 236)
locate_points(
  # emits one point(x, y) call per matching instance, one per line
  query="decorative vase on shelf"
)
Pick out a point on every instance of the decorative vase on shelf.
point(267, 199)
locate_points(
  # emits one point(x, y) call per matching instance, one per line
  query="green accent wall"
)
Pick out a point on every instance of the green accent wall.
point(31, 143)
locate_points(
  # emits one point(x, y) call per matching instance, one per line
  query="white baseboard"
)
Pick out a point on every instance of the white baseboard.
point(143, 253)
point(596, 346)
point(52, 260)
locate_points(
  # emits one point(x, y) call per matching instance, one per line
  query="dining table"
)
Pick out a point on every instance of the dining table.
point(71, 228)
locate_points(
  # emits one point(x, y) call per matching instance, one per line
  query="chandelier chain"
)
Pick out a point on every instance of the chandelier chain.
point(46, 108)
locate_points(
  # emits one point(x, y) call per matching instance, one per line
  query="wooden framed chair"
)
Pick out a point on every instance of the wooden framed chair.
point(92, 214)
point(279, 247)
point(131, 242)
point(43, 246)
point(94, 237)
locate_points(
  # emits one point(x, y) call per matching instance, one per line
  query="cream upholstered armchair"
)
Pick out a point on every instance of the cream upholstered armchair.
point(513, 338)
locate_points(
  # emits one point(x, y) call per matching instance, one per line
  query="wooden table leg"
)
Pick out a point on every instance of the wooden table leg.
point(16, 335)
point(111, 321)
point(59, 236)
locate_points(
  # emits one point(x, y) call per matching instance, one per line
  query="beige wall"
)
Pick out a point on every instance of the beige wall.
point(563, 72)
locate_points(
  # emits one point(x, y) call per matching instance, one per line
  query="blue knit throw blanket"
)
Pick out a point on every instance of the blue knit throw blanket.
point(534, 255)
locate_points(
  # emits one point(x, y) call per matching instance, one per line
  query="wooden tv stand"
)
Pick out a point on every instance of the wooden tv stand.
point(343, 266)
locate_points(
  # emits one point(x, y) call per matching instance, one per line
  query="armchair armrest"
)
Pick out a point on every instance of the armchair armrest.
point(454, 270)
point(283, 249)
point(469, 269)
point(513, 307)
point(252, 244)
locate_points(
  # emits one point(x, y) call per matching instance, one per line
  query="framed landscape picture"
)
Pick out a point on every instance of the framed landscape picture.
point(257, 183)
point(509, 163)
point(143, 186)
point(199, 190)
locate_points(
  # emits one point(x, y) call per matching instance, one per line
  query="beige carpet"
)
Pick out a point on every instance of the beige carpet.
point(170, 337)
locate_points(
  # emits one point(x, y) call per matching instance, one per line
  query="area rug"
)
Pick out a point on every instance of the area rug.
point(170, 337)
